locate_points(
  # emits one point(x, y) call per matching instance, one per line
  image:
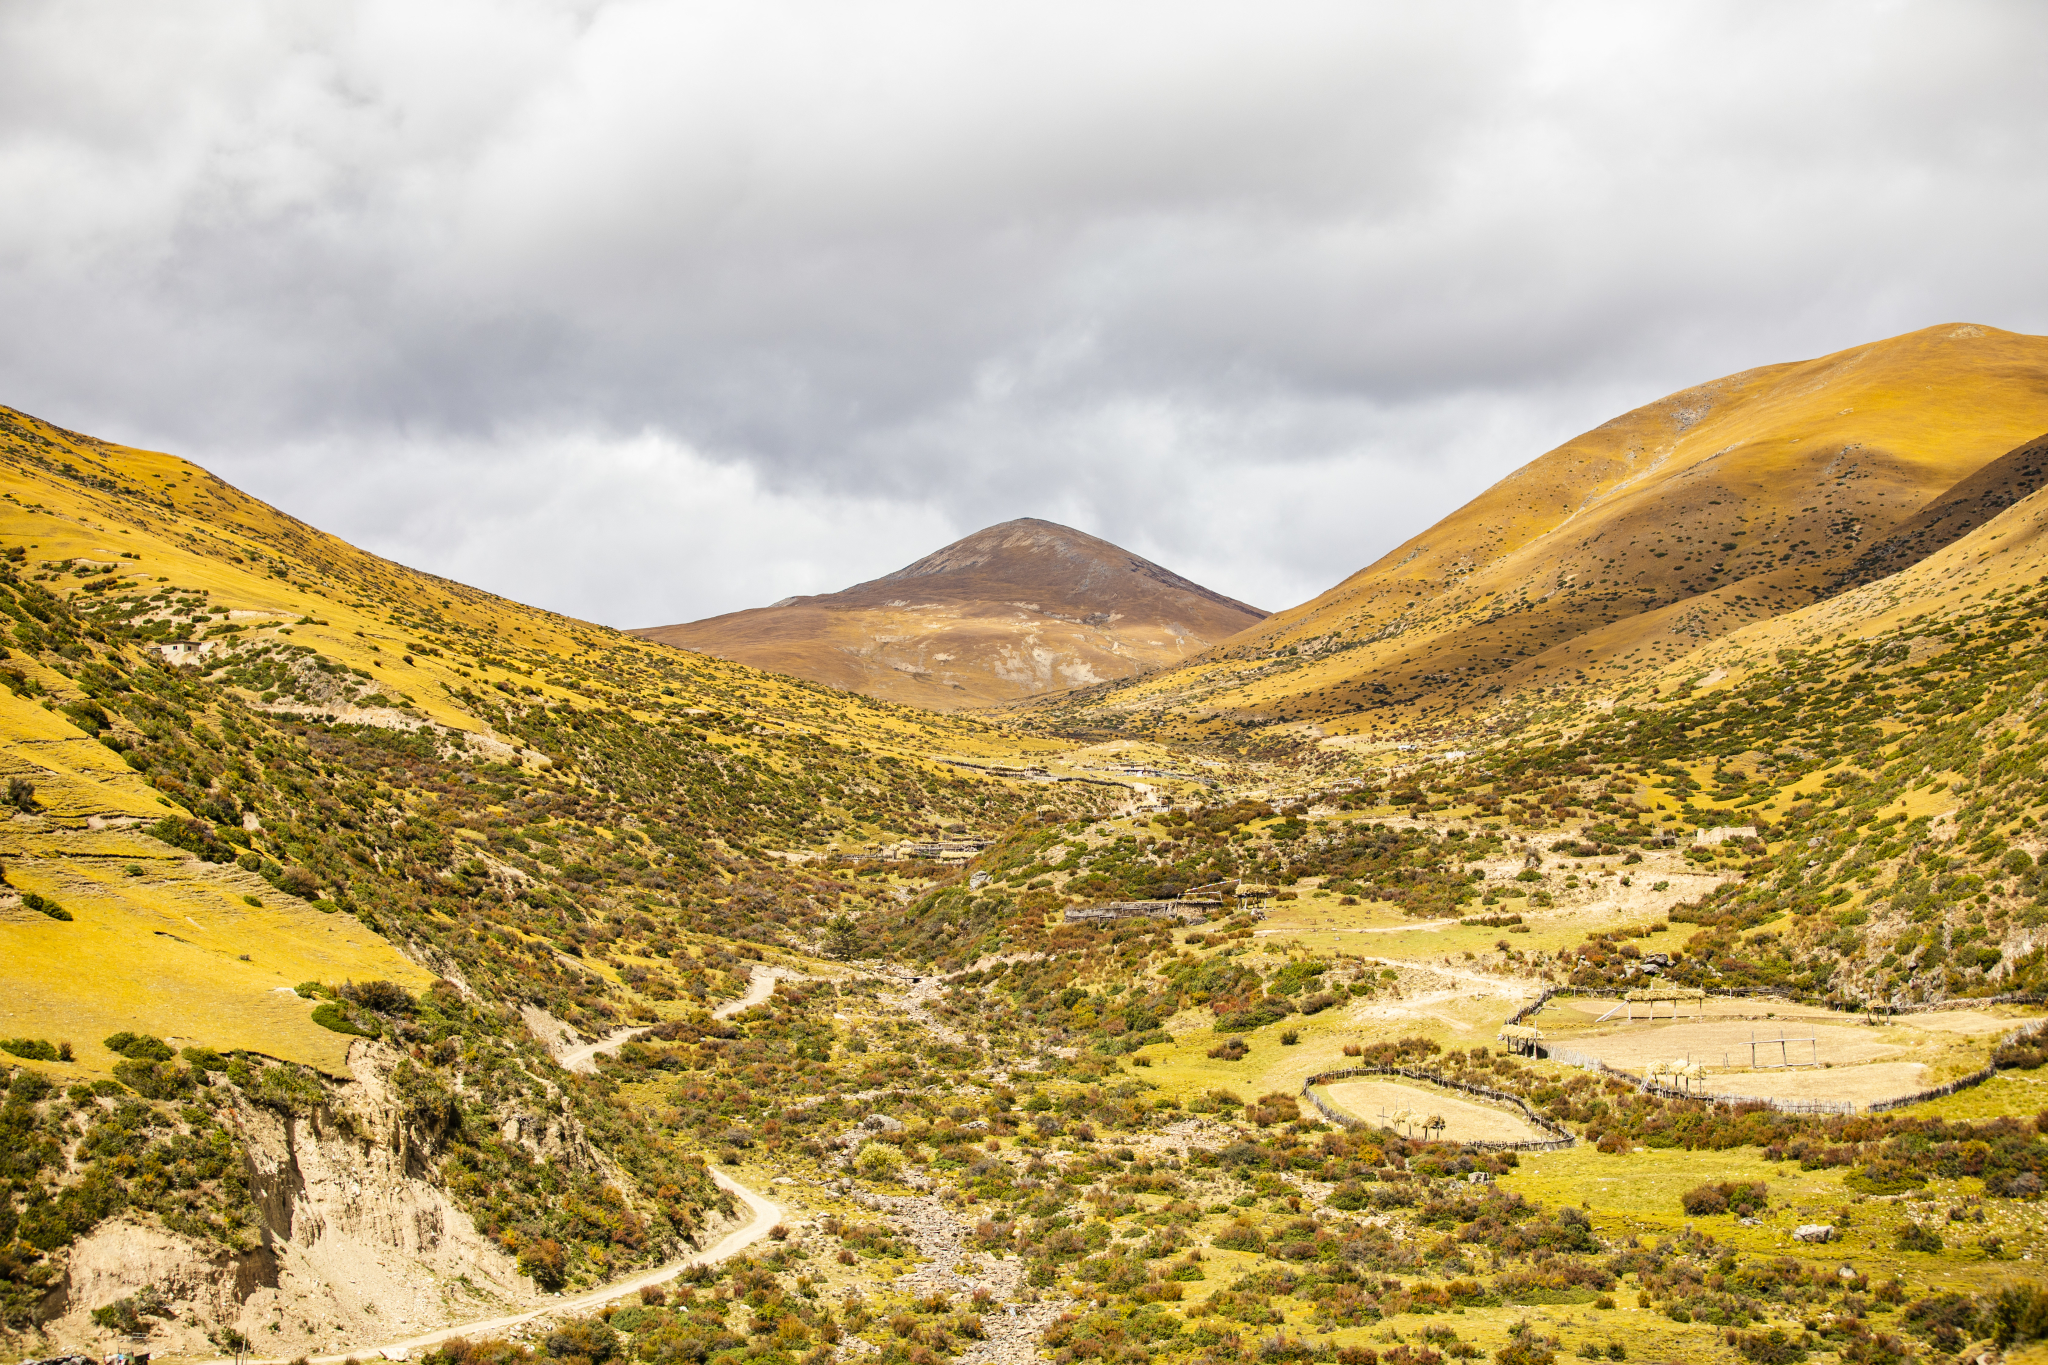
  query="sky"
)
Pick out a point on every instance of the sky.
point(645, 312)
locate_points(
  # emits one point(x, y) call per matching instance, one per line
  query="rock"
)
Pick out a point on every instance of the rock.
point(1814, 1232)
point(882, 1123)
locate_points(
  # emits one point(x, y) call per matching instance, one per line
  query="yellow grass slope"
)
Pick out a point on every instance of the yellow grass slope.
point(1632, 544)
point(75, 500)
point(2003, 555)
point(158, 942)
point(164, 944)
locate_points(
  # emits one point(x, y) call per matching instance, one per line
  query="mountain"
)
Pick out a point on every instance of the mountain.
point(318, 867)
point(309, 863)
point(1019, 609)
point(1630, 545)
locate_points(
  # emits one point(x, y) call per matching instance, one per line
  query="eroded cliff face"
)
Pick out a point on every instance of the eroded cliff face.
point(356, 1242)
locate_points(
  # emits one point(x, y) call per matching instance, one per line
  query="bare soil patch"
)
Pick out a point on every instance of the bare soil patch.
point(1725, 1043)
point(1464, 1120)
point(1573, 1011)
point(1863, 1084)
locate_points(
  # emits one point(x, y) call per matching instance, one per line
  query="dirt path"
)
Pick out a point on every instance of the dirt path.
point(583, 1057)
point(766, 1214)
point(760, 985)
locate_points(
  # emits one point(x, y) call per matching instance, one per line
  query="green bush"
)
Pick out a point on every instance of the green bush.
point(332, 1014)
point(2019, 1313)
point(44, 905)
point(153, 1080)
point(139, 1047)
point(1770, 1348)
point(1918, 1237)
point(878, 1161)
point(192, 836)
point(1744, 1199)
point(30, 1049)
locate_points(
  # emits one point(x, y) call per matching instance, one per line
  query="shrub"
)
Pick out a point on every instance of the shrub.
point(384, 997)
point(1289, 1037)
point(1231, 1050)
point(153, 1080)
point(878, 1161)
point(330, 1014)
point(1917, 1237)
point(44, 905)
point(21, 794)
point(139, 1047)
point(1212, 1101)
point(88, 717)
point(2019, 1313)
point(1525, 1347)
point(1881, 1348)
point(29, 1049)
point(543, 1260)
point(1947, 1320)
point(1241, 1235)
point(1276, 1107)
point(1768, 1348)
point(192, 836)
point(1888, 1175)
point(1744, 1199)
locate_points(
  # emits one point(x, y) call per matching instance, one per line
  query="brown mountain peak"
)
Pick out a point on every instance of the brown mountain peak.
point(1013, 610)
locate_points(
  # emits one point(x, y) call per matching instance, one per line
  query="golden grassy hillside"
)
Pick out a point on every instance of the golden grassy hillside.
point(1011, 611)
point(1629, 546)
point(296, 622)
point(2002, 557)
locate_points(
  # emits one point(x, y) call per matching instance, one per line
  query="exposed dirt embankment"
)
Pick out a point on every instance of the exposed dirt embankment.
point(355, 1239)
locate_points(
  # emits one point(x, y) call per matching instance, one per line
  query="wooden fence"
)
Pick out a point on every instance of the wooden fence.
point(1961, 1082)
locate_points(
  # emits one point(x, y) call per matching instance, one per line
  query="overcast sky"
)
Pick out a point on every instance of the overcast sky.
point(645, 312)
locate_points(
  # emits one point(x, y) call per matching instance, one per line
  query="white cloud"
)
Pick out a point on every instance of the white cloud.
point(653, 531)
point(1256, 290)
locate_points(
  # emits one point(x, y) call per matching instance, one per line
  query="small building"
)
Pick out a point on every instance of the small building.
point(1520, 1038)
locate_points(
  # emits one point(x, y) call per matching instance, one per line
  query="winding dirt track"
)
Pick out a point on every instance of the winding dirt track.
point(583, 1057)
point(766, 1214)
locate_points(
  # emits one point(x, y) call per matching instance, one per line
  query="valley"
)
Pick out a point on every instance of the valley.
point(391, 967)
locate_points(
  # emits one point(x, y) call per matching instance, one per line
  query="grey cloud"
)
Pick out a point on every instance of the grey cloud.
point(1256, 290)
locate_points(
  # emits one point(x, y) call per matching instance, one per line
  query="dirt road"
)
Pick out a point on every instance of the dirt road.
point(766, 1213)
point(583, 1057)
point(760, 985)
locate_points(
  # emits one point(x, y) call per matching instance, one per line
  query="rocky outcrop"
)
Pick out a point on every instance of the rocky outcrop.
point(355, 1240)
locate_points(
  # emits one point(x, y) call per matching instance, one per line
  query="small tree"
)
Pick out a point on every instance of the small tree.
point(842, 938)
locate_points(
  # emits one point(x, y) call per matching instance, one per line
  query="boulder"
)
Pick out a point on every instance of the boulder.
point(1813, 1232)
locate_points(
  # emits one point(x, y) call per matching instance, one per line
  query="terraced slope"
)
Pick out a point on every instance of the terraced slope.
point(1625, 547)
point(1012, 611)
